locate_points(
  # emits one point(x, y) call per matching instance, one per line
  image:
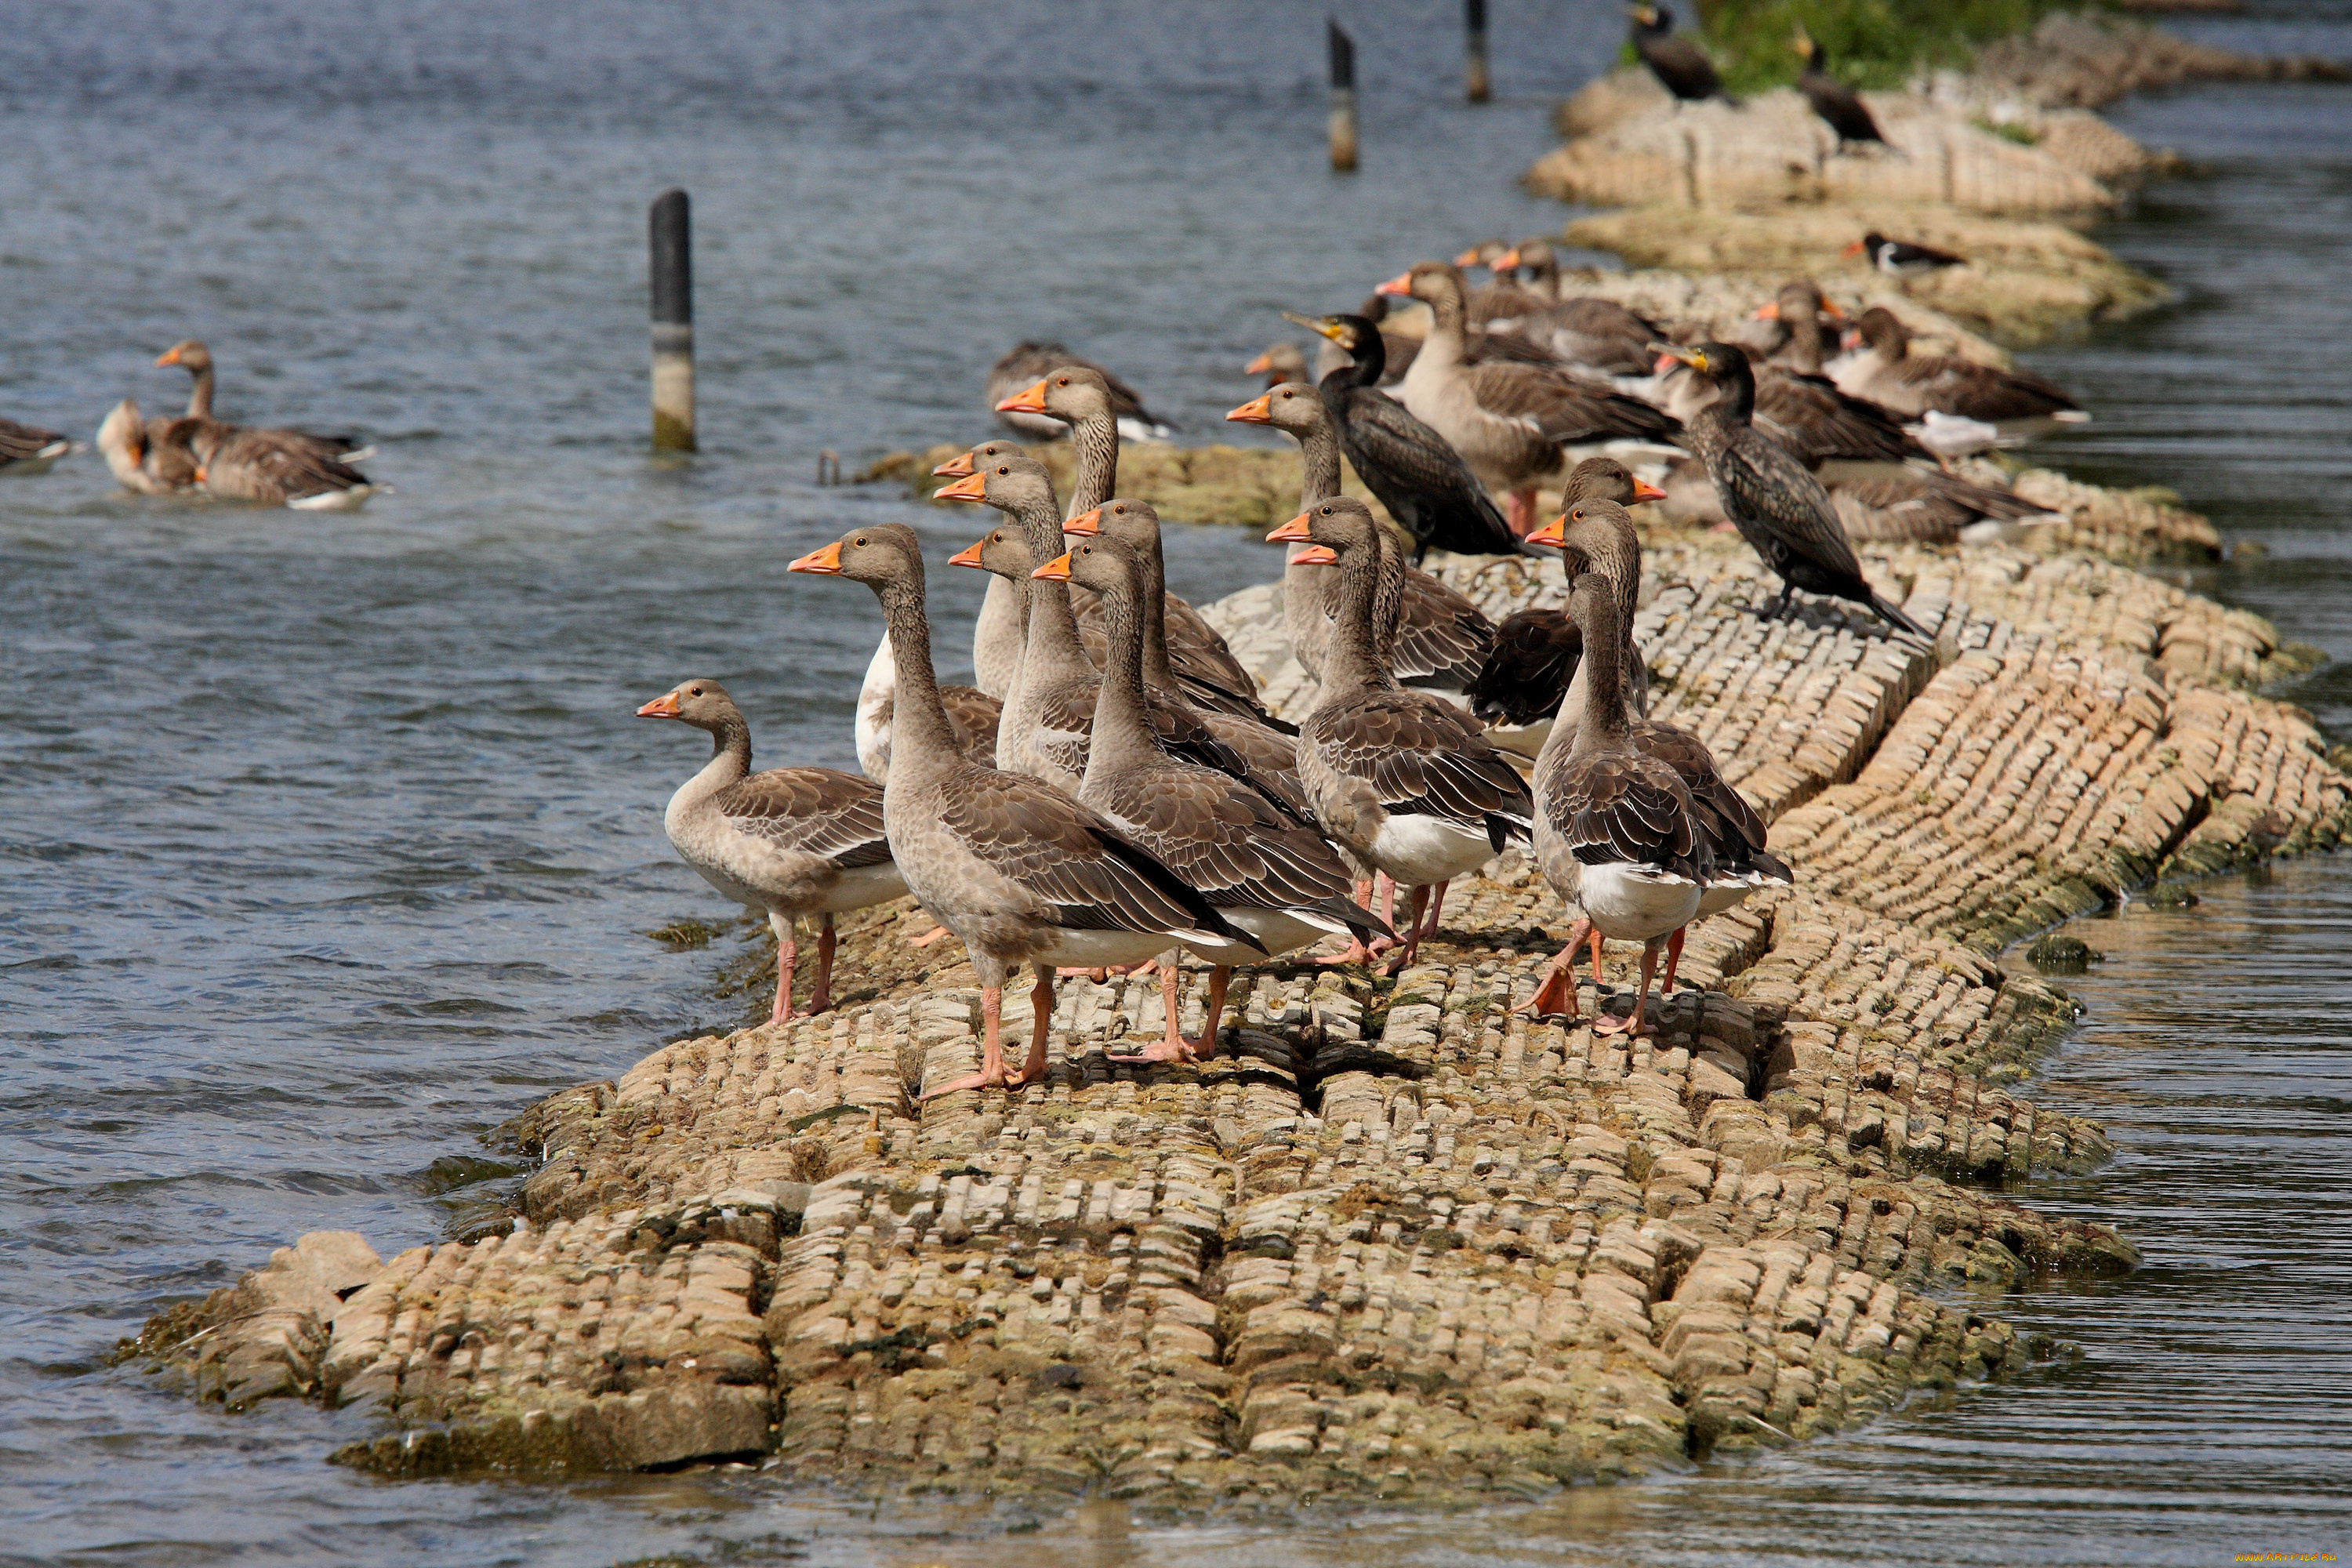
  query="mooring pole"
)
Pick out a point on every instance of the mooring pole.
point(673, 323)
point(1474, 53)
point(1343, 99)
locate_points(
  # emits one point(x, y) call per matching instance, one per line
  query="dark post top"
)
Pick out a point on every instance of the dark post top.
point(1477, 16)
point(1343, 56)
point(673, 260)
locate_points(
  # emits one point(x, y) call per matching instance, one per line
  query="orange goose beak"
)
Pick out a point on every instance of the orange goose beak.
point(1508, 261)
point(1768, 311)
point(1259, 365)
point(1292, 532)
point(169, 356)
point(1057, 570)
point(969, 555)
point(1315, 555)
point(1829, 309)
point(1258, 410)
point(1469, 258)
point(1854, 250)
point(1085, 523)
point(972, 487)
point(1554, 534)
point(1644, 491)
point(1030, 400)
point(662, 707)
point(1400, 284)
point(826, 560)
point(955, 467)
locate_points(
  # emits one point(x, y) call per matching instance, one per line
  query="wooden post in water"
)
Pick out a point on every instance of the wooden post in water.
point(1480, 85)
point(673, 323)
point(1343, 99)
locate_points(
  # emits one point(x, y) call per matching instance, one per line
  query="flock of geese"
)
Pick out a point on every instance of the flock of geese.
point(198, 454)
point(1112, 790)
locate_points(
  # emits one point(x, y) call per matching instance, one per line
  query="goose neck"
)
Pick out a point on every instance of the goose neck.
point(921, 737)
point(1123, 731)
point(1353, 660)
point(1096, 440)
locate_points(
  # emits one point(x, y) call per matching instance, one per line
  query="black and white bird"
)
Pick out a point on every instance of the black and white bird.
point(1901, 258)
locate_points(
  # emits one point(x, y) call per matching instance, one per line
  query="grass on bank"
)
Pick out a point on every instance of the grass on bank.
point(1874, 44)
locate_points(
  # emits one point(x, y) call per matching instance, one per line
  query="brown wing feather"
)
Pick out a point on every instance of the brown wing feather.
point(1423, 756)
point(1071, 858)
point(1622, 807)
point(815, 811)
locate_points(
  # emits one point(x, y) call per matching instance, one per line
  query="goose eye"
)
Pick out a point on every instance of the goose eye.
point(858, 543)
point(694, 691)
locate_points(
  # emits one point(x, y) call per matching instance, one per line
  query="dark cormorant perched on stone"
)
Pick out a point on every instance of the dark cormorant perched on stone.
point(1778, 508)
point(1414, 471)
point(1832, 100)
point(1678, 63)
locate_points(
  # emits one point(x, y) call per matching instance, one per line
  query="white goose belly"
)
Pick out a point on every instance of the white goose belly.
point(1632, 902)
point(1417, 850)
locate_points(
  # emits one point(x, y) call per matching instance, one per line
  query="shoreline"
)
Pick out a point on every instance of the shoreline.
point(1260, 1271)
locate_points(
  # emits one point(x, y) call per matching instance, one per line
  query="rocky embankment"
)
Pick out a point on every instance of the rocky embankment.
point(1399, 1241)
point(1997, 165)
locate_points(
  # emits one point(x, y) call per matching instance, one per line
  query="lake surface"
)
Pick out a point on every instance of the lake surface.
point(330, 843)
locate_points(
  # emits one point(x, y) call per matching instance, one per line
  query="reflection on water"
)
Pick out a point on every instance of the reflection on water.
point(331, 844)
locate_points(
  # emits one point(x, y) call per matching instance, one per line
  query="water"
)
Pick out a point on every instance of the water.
point(330, 843)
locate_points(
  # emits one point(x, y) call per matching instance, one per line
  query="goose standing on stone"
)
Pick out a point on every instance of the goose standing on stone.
point(27, 449)
point(1778, 508)
point(1414, 472)
point(1615, 834)
point(1680, 66)
point(1597, 539)
point(1030, 362)
point(1439, 639)
point(1835, 102)
point(1078, 396)
point(1402, 779)
point(1886, 371)
point(997, 631)
point(1271, 875)
point(792, 841)
point(1512, 423)
point(1267, 743)
point(1538, 652)
point(1019, 870)
point(1046, 724)
point(147, 457)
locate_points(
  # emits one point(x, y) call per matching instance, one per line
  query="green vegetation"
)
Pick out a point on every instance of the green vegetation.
point(1870, 43)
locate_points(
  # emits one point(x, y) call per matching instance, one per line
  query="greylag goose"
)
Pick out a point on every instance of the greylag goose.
point(191, 355)
point(1046, 724)
point(1265, 743)
point(1512, 423)
point(1597, 537)
point(1584, 329)
point(1502, 300)
point(27, 449)
point(1414, 471)
point(1077, 396)
point(279, 468)
point(1402, 779)
point(1835, 102)
point(147, 457)
point(1028, 363)
point(1019, 870)
point(1439, 638)
point(792, 841)
point(1615, 832)
point(1537, 652)
point(1778, 508)
point(1271, 875)
point(996, 633)
point(1901, 258)
point(1886, 371)
point(1681, 67)
point(1281, 363)
point(973, 713)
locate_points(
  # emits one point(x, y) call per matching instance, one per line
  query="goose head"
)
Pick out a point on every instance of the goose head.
point(1104, 564)
point(1434, 283)
point(1280, 363)
point(1014, 482)
point(1135, 524)
point(1073, 394)
point(1294, 406)
point(1001, 551)
point(1607, 480)
point(1342, 525)
point(885, 555)
point(189, 353)
point(701, 702)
